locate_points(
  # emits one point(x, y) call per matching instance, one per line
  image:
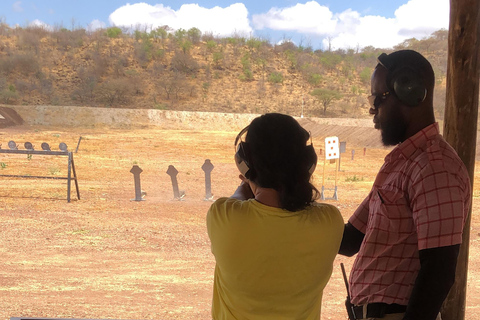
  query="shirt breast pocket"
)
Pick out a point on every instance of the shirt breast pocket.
point(390, 211)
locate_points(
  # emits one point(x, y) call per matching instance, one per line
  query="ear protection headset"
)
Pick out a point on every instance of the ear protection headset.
point(243, 159)
point(406, 83)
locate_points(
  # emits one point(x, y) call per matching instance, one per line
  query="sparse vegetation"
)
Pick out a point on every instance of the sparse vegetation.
point(353, 179)
point(121, 68)
point(275, 77)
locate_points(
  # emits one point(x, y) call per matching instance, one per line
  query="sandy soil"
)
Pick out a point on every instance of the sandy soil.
point(105, 256)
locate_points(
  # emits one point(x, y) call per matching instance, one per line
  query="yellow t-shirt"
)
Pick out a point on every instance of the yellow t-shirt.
point(271, 263)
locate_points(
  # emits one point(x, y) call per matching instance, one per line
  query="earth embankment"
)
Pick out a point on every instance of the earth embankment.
point(358, 132)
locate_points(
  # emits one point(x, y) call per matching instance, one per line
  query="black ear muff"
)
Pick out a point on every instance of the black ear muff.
point(312, 158)
point(404, 82)
point(408, 87)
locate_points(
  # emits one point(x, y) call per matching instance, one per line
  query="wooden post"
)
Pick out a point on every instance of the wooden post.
point(460, 128)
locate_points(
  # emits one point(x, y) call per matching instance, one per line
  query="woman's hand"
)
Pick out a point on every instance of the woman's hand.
point(244, 191)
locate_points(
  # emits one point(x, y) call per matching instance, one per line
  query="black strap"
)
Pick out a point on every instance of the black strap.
point(378, 310)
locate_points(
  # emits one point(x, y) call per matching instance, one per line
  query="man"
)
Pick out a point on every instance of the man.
point(408, 230)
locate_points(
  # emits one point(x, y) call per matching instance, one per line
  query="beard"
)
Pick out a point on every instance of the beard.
point(393, 128)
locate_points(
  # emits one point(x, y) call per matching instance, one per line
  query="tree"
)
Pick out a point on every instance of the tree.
point(461, 115)
point(114, 32)
point(326, 97)
point(115, 91)
point(194, 35)
point(173, 85)
point(183, 62)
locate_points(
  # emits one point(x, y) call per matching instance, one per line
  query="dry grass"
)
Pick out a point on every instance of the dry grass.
point(106, 256)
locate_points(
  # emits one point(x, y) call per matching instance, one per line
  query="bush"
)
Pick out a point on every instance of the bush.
point(179, 35)
point(24, 87)
point(314, 79)
point(26, 63)
point(116, 91)
point(365, 75)
point(194, 35)
point(143, 51)
point(186, 46)
point(330, 60)
point(114, 32)
point(254, 43)
point(218, 59)
point(247, 75)
point(275, 77)
point(7, 95)
point(211, 44)
point(69, 39)
point(184, 63)
point(159, 33)
point(6, 64)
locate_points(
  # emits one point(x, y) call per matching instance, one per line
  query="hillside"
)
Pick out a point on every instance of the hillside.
point(186, 70)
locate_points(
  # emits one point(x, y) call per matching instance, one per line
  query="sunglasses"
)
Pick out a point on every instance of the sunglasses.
point(376, 100)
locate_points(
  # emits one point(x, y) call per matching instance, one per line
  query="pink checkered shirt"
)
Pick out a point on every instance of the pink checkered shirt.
point(420, 199)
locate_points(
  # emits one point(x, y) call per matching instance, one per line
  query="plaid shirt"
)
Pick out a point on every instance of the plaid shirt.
point(420, 199)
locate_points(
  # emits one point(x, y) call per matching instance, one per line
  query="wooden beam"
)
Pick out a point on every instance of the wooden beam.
point(460, 127)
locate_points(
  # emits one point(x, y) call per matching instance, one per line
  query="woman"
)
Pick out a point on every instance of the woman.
point(274, 246)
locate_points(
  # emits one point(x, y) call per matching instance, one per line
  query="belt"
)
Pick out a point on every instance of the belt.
point(377, 310)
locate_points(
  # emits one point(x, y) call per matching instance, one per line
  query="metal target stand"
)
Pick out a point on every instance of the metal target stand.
point(29, 150)
point(332, 153)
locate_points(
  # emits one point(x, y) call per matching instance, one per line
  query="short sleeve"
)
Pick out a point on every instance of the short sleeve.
point(438, 207)
point(359, 219)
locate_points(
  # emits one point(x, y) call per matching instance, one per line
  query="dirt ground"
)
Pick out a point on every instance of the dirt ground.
point(108, 257)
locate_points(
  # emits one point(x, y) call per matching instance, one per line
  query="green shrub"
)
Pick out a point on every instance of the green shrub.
point(330, 60)
point(114, 32)
point(353, 179)
point(254, 43)
point(247, 75)
point(211, 44)
point(314, 79)
point(275, 77)
point(246, 61)
point(355, 90)
point(218, 59)
point(365, 75)
point(194, 35)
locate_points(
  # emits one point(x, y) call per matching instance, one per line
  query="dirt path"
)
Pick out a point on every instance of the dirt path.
point(106, 256)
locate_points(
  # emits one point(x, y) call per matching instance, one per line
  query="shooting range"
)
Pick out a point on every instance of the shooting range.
point(135, 246)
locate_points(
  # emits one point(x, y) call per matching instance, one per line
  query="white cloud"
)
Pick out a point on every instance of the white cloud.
point(219, 21)
point(96, 24)
point(17, 6)
point(40, 24)
point(419, 18)
point(310, 17)
point(349, 29)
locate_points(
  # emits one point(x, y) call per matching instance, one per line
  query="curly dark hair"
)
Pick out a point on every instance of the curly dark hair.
point(280, 159)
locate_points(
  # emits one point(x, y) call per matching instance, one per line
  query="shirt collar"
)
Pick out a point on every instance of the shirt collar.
point(409, 146)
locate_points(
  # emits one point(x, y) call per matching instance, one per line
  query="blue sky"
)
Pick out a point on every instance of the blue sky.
point(343, 24)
